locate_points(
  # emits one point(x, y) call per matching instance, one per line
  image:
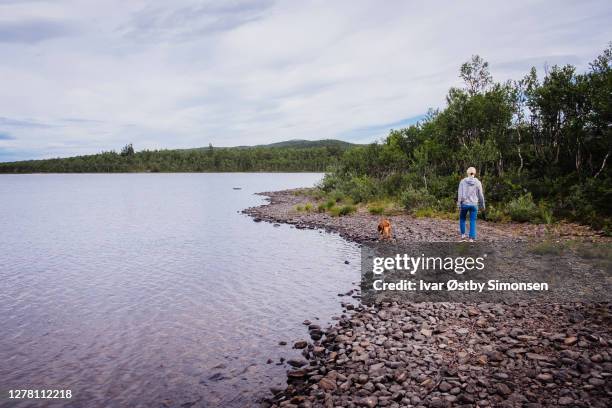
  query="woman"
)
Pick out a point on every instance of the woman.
point(469, 198)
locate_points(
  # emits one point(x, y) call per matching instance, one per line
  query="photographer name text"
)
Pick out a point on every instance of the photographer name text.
point(453, 285)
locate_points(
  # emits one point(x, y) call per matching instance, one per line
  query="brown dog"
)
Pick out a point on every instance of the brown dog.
point(384, 229)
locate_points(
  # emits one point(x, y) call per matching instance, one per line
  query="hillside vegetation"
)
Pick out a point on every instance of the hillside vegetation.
point(541, 145)
point(295, 155)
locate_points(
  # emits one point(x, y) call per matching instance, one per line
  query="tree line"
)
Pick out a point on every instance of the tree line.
point(247, 159)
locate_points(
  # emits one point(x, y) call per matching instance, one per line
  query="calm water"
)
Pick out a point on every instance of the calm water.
point(151, 289)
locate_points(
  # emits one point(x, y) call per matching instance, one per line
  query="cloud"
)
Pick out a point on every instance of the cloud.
point(368, 133)
point(32, 31)
point(21, 123)
point(158, 22)
point(6, 136)
point(82, 77)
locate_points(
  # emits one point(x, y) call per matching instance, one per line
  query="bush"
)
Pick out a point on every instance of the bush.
point(330, 182)
point(330, 203)
point(308, 207)
point(523, 209)
point(347, 209)
point(376, 209)
point(494, 214)
point(344, 210)
point(337, 196)
point(359, 188)
point(545, 213)
point(299, 208)
point(413, 199)
point(321, 208)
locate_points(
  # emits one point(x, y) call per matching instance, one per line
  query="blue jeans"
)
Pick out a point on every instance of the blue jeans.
point(473, 210)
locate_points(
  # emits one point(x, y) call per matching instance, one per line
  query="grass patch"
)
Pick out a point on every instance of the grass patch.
point(376, 209)
point(339, 211)
point(428, 212)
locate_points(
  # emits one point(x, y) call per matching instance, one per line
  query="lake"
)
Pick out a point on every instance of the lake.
point(154, 290)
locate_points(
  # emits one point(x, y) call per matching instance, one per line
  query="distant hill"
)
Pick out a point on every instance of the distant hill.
point(289, 156)
point(295, 144)
point(301, 144)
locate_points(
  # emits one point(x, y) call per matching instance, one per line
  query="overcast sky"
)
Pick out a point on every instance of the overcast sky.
point(79, 77)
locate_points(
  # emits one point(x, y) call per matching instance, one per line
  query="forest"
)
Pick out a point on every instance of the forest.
point(541, 145)
point(290, 156)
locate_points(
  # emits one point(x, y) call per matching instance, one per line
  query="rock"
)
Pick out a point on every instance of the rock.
point(297, 363)
point(318, 350)
point(327, 384)
point(503, 389)
point(570, 341)
point(537, 357)
point(565, 401)
point(300, 344)
point(346, 262)
point(495, 356)
point(369, 402)
point(596, 381)
point(276, 390)
point(282, 343)
point(545, 377)
point(362, 378)
point(376, 368)
point(444, 386)
point(472, 311)
point(462, 331)
point(296, 373)
point(426, 332)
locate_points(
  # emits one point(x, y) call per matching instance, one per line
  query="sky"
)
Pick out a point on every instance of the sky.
point(80, 77)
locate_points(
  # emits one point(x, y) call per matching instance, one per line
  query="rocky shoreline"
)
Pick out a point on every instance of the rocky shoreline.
point(361, 226)
point(445, 354)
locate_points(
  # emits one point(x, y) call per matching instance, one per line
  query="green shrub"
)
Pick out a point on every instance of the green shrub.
point(376, 209)
point(330, 181)
point(308, 207)
point(494, 214)
point(334, 211)
point(545, 213)
point(321, 208)
point(447, 204)
point(347, 209)
point(523, 209)
point(413, 199)
point(337, 196)
point(299, 208)
point(344, 210)
point(330, 203)
point(360, 188)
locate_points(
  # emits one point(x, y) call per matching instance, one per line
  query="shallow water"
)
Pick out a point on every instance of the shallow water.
point(153, 290)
